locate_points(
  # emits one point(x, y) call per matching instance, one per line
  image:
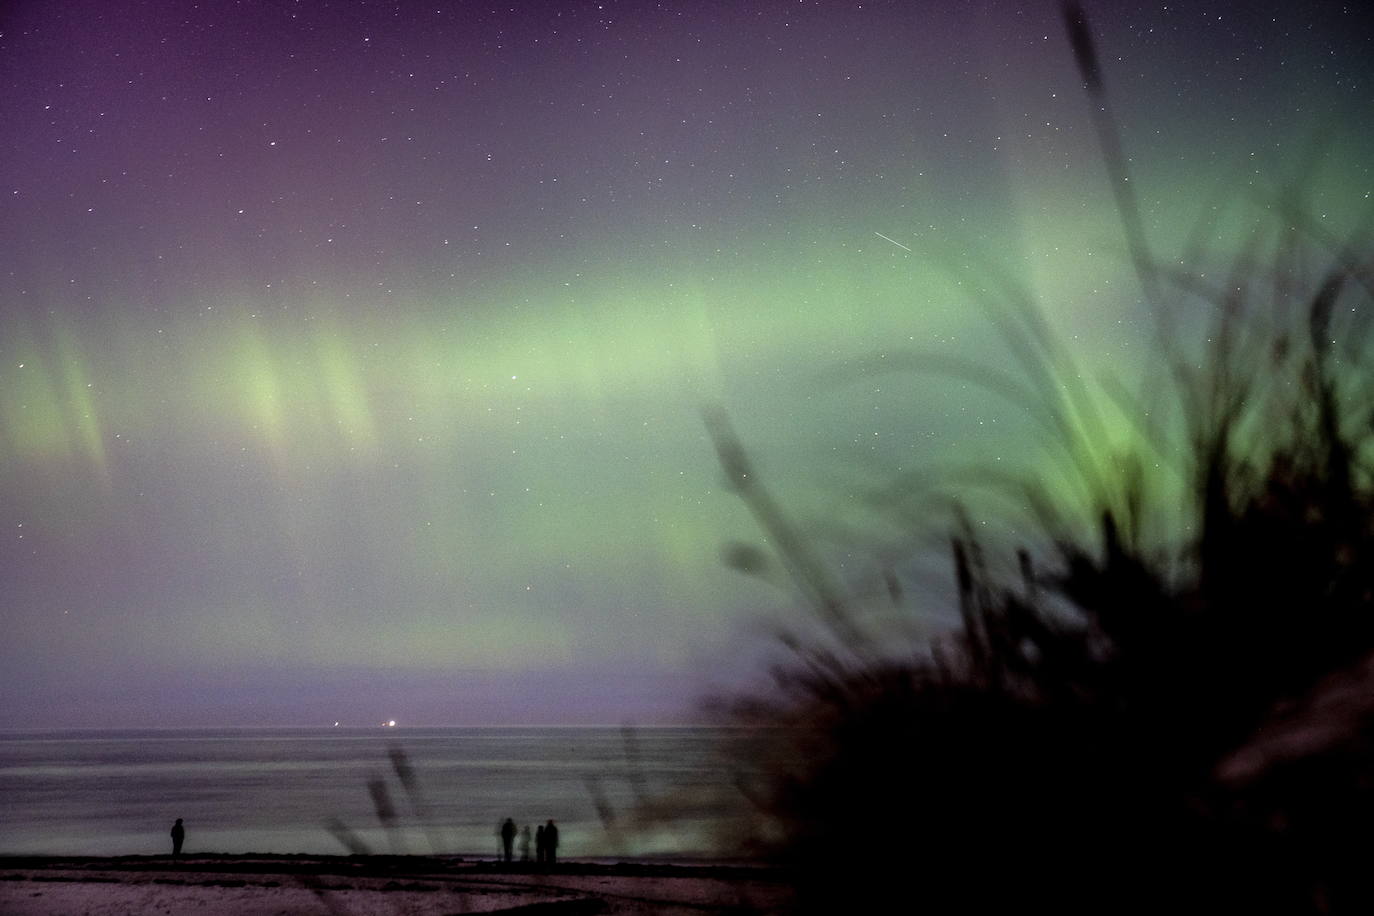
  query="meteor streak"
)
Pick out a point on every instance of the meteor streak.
point(893, 241)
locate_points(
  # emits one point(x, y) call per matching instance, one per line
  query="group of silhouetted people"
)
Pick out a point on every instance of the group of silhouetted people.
point(545, 842)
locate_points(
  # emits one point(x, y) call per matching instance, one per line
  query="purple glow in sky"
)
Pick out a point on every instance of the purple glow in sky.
point(352, 354)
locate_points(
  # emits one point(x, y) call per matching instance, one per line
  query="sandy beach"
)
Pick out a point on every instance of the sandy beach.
point(269, 885)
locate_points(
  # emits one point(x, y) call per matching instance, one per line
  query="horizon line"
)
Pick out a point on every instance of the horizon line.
point(377, 727)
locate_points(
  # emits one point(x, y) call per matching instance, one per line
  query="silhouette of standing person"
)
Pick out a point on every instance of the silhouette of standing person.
point(525, 844)
point(178, 837)
point(507, 838)
point(551, 843)
point(541, 846)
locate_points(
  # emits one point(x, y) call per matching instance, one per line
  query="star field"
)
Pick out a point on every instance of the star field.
point(352, 355)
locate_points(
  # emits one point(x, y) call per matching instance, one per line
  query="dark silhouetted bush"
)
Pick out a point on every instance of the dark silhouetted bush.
point(1176, 718)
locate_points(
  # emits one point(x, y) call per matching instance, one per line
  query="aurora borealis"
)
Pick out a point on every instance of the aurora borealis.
point(352, 355)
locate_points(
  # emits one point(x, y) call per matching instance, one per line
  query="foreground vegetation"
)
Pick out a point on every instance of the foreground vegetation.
point(1130, 717)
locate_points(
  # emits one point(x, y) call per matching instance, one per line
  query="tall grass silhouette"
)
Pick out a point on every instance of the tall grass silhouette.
point(1162, 703)
point(421, 811)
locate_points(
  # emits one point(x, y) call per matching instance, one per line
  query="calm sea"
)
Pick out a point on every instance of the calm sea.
point(281, 790)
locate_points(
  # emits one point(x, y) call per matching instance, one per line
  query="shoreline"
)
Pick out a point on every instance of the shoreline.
point(422, 885)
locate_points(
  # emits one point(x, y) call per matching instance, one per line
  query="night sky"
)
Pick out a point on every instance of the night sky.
point(353, 355)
